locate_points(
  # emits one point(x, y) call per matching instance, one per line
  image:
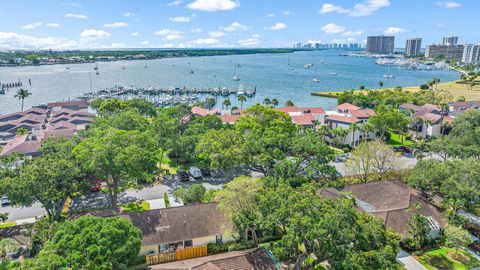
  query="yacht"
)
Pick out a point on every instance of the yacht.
point(308, 66)
point(389, 75)
point(240, 91)
point(316, 80)
point(332, 73)
point(236, 78)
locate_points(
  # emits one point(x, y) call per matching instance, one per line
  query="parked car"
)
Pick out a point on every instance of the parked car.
point(475, 246)
point(5, 201)
point(95, 185)
point(206, 172)
point(183, 175)
point(195, 172)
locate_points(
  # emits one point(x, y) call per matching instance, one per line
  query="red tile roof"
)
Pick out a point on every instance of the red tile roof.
point(347, 107)
point(448, 119)
point(21, 144)
point(79, 103)
point(303, 120)
point(343, 119)
point(229, 119)
point(318, 110)
point(288, 109)
point(202, 112)
point(362, 113)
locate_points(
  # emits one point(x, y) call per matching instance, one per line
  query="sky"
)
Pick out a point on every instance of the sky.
point(105, 24)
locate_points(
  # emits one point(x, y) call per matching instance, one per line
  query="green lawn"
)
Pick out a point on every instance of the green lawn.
point(7, 224)
point(396, 140)
point(135, 206)
point(441, 259)
point(169, 164)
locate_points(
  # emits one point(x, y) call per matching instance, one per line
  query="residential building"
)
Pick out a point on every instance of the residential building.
point(453, 40)
point(380, 44)
point(393, 202)
point(258, 259)
point(453, 52)
point(202, 111)
point(471, 54)
point(345, 116)
point(463, 106)
point(413, 46)
point(306, 117)
point(179, 227)
point(426, 121)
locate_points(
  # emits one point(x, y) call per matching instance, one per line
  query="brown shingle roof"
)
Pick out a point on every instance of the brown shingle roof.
point(257, 259)
point(21, 144)
point(343, 119)
point(72, 103)
point(362, 113)
point(347, 107)
point(178, 223)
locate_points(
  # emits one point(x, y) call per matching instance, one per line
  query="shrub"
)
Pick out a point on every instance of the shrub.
point(214, 248)
point(240, 246)
point(424, 86)
point(166, 199)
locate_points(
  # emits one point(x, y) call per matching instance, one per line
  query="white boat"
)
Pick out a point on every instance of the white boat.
point(389, 75)
point(316, 80)
point(332, 73)
point(236, 78)
point(308, 66)
point(240, 91)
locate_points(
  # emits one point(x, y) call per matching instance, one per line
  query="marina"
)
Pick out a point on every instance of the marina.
point(281, 76)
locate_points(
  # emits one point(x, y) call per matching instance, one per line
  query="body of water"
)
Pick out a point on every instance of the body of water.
point(269, 73)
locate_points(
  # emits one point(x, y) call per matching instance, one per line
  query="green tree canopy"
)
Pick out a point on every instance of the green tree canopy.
point(191, 194)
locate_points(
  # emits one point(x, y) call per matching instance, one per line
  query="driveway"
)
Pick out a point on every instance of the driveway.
point(18, 213)
point(409, 262)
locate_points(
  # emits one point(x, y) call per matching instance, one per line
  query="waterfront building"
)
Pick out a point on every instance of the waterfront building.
point(380, 44)
point(450, 40)
point(413, 46)
point(453, 52)
point(471, 54)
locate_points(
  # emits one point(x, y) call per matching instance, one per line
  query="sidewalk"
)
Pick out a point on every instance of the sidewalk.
point(160, 203)
point(409, 262)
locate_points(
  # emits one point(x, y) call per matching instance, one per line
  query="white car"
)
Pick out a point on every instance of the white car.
point(5, 201)
point(195, 172)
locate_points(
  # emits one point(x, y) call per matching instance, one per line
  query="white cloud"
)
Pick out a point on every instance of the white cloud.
point(286, 12)
point(180, 19)
point(352, 33)
point(351, 39)
point(115, 46)
point(77, 5)
point(394, 30)
point(169, 34)
point(196, 30)
point(216, 34)
point(205, 41)
point(174, 3)
point(255, 35)
point(135, 34)
point(94, 33)
point(12, 40)
point(314, 41)
point(332, 28)
point(338, 40)
point(360, 9)
point(270, 15)
point(32, 25)
point(166, 45)
point(327, 8)
point(448, 4)
point(144, 43)
point(115, 25)
point(249, 42)
point(277, 26)
point(76, 16)
point(213, 5)
point(234, 27)
point(53, 25)
point(128, 14)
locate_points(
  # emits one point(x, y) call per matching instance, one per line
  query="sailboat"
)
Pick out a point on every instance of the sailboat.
point(96, 69)
point(235, 77)
point(288, 60)
point(389, 75)
point(145, 64)
point(316, 80)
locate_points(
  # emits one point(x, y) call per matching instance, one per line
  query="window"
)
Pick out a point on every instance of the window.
point(163, 247)
point(188, 243)
point(218, 239)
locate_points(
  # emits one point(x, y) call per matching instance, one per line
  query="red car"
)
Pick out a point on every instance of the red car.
point(95, 185)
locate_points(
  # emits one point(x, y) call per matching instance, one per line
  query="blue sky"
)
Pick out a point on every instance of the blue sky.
point(63, 24)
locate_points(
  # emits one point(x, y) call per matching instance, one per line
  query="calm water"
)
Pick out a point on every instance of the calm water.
point(268, 72)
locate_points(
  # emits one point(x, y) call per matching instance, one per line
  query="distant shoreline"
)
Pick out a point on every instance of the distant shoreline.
point(45, 58)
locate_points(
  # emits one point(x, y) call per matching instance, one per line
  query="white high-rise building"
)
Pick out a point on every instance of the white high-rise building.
point(450, 40)
point(413, 46)
point(471, 54)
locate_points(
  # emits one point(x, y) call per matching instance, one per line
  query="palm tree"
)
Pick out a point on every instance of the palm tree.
point(418, 121)
point(353, 127)
point(22, 94)
point(437, 80)
point(365, 129)
point(242, 99)
point(274, 102)
point(226, 103)
point(340, 134)
point(362, 87)
point(210, 102)
point(289, 103)
point(380, 84)
point(266, 101)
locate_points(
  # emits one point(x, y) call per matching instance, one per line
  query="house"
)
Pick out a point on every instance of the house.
point(258, 259)
point(25, 144)
point(463, 106)
point(427, 120)
point(229, 119)
point(203, 112)
point(306, 117)
point(393, 202)
point(345, 116)
point(179, 227)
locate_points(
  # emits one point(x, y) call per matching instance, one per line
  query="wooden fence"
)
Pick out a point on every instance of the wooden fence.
point(177, 255)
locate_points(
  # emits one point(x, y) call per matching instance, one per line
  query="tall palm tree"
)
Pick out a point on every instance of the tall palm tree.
point(242, 99)
point(22, 94)
point(289, 103)
point(353, 127)
point(210, 102)
point(418, 121)
point(274, 102)
point(266, 101)
point(226, 103)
